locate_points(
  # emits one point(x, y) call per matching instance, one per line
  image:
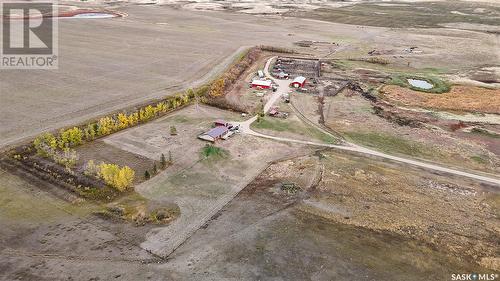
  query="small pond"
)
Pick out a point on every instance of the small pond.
point(422, 84)
point(93, 16)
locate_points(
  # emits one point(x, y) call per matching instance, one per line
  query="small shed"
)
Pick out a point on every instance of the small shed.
point(273, 111)
point(214, 134)
point(264, 84)
point(298, 82)
point(260, 73)
point(220, 122)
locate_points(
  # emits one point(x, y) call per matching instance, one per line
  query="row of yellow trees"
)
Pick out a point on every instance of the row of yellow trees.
point(59, 148)
point(109, 124)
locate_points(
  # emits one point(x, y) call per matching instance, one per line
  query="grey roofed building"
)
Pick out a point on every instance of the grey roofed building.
point(214, 134)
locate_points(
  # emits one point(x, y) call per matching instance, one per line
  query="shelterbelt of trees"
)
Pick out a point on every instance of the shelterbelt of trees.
point(60, 147)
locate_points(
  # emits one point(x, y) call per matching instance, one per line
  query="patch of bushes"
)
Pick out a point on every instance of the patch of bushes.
point(395, 117)
point(213, 152)
point(136, 209)
point(277, 49)
point(222, 103)
point(46, 145)
point(289, 187)
point(98, 193)
point(481, 159)
point(484, 132)
point(374, 60)
point(164, 163)
point(163, 215)
point(457, 126)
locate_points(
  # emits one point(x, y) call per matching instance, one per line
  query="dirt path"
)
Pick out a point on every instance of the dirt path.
point(367, 151)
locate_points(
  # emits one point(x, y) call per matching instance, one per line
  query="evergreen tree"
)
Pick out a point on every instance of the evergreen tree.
point(163, 161)
point(147, 176)
point(155, 169)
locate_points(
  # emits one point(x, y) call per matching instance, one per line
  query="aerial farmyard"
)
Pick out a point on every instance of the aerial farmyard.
point(250, 140)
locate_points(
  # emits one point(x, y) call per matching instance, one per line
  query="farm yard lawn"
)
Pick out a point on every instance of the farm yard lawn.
point(153, 138)
point(291, 127)
point(460, 98)
point(352, 116)
point(202, 186)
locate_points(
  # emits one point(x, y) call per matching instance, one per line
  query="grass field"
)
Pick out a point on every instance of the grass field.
point(392, 144)
point(292, 126)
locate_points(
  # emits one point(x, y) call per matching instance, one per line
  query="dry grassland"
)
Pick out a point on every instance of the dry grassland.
point(460, 98)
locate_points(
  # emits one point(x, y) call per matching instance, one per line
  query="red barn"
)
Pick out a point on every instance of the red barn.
point(298, 82)
point(264, 84)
